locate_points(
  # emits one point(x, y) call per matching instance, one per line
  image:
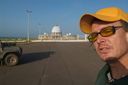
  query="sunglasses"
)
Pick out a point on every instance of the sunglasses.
point(105, 32)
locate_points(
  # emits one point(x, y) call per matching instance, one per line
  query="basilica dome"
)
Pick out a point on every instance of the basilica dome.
point(56, 29)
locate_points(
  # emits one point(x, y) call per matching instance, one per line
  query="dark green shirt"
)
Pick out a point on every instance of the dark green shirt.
point(102, 78)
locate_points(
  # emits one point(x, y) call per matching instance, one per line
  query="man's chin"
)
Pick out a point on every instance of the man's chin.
point(110, 60)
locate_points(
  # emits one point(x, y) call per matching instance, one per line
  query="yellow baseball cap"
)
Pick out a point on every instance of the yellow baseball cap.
point(106, 14)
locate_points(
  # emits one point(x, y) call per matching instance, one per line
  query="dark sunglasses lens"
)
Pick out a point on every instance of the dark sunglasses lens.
point(104, 32)
point(107, 31)
point(92, 37)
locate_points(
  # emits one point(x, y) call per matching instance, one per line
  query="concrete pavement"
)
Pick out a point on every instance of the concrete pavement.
point(54, 63)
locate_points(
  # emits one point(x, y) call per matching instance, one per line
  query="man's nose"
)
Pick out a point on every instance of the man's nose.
point(100, 38)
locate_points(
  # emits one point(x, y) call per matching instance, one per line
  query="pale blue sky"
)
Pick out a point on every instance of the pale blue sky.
point(14, 18)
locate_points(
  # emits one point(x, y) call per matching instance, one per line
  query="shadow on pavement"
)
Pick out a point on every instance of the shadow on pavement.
point(32, 57)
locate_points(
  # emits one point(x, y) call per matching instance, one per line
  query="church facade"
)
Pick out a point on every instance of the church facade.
point(57, 35)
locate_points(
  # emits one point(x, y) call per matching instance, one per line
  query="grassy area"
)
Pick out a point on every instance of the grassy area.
point(17, 40)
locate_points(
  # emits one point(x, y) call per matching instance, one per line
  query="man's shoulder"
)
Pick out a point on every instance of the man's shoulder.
point(101, 78)
point(104, 69)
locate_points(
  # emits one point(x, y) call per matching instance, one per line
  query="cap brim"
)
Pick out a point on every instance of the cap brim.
point(86, 21)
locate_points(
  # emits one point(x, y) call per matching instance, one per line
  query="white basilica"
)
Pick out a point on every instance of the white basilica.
point(57, 34)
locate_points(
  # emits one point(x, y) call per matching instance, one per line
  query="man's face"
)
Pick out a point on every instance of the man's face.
point(113, 47)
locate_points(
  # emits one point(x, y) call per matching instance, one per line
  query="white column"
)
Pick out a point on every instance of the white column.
point(78, 37)
point(85, 37)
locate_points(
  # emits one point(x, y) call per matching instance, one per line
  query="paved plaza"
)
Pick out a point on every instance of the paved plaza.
point(53, 63)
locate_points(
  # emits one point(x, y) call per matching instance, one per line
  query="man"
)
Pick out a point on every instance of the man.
point(108, 30)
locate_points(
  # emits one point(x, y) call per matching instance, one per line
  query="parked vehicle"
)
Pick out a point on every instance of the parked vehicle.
point(10, 53)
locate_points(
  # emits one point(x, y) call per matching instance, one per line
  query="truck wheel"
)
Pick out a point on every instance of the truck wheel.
point(11, 59)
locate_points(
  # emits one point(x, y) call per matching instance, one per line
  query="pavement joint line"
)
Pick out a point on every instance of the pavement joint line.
point(44, 67)
point(68, 71)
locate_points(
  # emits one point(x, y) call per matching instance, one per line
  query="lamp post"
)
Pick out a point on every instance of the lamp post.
point(40, 31)
point(28, 23)
point(44, 30)
point(39, 28)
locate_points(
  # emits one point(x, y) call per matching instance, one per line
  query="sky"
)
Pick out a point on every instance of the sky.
point(66, 13)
